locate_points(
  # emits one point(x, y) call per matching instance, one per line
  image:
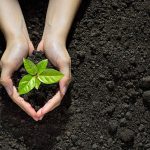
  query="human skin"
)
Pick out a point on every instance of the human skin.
point(18, 46)
point(60, 15)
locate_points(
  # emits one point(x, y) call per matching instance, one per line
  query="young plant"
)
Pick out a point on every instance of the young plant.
point(37, 74)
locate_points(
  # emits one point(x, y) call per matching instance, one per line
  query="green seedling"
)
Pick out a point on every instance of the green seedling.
point(37, 74)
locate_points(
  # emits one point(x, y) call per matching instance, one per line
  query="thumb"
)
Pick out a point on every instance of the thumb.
point(6, 81)
point(31, 48)
point(40, 46)
point(65, 81)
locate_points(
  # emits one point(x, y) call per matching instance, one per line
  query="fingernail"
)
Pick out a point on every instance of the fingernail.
point(64, 90)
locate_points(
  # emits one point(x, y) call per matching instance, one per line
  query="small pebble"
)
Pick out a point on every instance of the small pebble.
point(146, 97)
point(113, 125)
point(109, 142)
point(80, 55)
point(128, 115)
point(106, 53)
point(58, 138)
point(140, 145)
point(147, 146)
point(132, 61)
point(145, 82)
point(94, 146)
point(127, 135)
point(74, 138)
point(73, 148)
point(110, 85)
point(110, 109)
point(102, 77)
point(123, 122)
point(141, 127)
point(68, 133)
point(129, 85)
point(125, 106)
point(125, 98)
point(22, 70)
point(141, 69)
point(132, 93)
point(114, 99)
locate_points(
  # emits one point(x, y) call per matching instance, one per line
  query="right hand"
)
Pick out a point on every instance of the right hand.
point(11, 60)
point(58, 55)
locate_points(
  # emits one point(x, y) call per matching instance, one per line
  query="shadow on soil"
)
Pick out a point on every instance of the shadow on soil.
point(35, 134)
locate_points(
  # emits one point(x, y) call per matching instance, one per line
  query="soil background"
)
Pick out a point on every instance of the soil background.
point(107, 106)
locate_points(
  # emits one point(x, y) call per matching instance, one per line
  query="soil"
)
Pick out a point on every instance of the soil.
point(108, 104)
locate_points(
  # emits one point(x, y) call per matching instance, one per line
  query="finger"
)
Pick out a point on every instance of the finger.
point(24, 105)
point(6, 80)
point(63, 84)
point(52, 103)
point(40, 46)
point(8, 85)
point(39, 114)
point(31, 48)
point(65, 81)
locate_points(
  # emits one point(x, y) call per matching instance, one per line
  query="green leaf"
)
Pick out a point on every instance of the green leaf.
point(42, 66)
point(37, 83)
point(50, 76)
point(26, 84)
point(30, 67)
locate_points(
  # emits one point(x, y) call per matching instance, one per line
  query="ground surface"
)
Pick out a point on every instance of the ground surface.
point(110, 49)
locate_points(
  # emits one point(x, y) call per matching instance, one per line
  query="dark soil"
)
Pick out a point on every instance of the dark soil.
point(108, 106)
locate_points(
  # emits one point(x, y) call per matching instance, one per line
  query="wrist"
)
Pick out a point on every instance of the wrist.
point(18, 42)
point(55, 34)
point(11, 36)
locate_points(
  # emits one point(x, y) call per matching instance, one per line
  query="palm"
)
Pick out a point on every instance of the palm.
point(10, 62)
point(59, 57)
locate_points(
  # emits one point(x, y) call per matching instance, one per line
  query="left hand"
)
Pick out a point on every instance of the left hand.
point(57, 54)
point(10, 62)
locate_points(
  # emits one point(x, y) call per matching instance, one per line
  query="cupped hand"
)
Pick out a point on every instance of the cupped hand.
point(57, 54)
point(11, 60)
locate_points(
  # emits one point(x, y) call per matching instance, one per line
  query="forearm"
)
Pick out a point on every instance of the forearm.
point(60, 15)
point(12, 22)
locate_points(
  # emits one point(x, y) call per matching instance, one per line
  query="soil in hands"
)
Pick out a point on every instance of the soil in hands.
point(37, 98)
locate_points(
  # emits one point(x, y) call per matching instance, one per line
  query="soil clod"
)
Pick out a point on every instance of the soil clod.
point(127, 135)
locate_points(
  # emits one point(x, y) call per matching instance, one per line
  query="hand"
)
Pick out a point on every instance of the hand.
point(11, 60)
point(57, 54)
